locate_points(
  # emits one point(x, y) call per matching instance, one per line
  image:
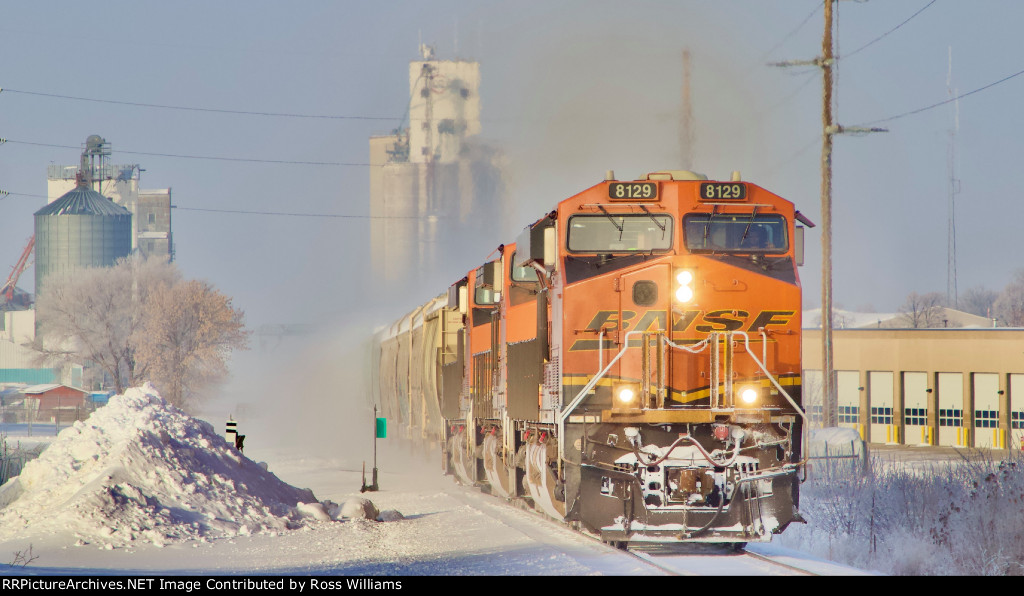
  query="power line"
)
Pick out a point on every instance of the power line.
point(279, 213)
point(196, 109)
point(879, 38)
point(779, 165)
point(4, 194)
point(204, 157)
point(794, 31)
point(942, 103)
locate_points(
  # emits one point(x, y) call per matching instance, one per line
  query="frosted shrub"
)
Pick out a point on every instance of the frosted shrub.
point(954, 518)
point(983, 529)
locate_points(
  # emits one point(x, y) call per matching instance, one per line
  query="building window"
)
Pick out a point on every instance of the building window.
point(849, 414)
point(951, 417)
point(881, 415)
point(915, 416)
point(986, 419)
point(817, 417)
point(1017, 420)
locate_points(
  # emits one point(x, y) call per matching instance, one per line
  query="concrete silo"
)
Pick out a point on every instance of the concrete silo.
point(80, 229)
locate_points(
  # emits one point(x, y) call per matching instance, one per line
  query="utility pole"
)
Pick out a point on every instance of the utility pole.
point(829, 397)
point(829, 394)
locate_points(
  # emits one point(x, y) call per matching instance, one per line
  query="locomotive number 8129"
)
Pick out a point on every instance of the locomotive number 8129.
point(630, 365)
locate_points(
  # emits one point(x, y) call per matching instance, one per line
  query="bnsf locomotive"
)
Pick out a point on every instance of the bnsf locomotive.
point(631, 365)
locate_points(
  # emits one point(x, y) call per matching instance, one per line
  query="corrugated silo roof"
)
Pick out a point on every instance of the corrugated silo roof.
point(83, 200)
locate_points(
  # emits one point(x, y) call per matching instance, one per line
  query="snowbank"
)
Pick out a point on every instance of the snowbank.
point(140, 469)
point(835, 441)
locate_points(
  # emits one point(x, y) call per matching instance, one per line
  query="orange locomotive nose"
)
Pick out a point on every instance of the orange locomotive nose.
point(631, 363)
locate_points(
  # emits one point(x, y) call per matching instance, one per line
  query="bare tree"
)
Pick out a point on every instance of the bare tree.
point(1009, 307)
point(979, 301)
point(92, 315)
point(922, 311)
point(189, 331)
point(840, 318)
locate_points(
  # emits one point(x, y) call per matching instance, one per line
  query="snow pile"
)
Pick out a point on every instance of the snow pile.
point(835, 442)
point(358, 508)
point(140, 469)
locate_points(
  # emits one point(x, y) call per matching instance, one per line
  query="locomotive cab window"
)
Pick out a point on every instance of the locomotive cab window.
point(735, 233)
point(487, 296)
point(523, 274)
point(620, 233)
point(488, 284)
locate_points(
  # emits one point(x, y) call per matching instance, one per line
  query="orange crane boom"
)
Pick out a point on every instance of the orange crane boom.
point(7, 291)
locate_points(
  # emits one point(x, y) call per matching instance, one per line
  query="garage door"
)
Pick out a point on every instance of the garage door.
point(915, 408)
point(951, 410)
point(848, 396)
point(986, 411)
point(811, 392)
point(880, 394)
point(1017, 411)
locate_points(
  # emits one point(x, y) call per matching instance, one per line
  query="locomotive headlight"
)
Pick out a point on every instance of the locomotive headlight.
point(684, 293)
point(749, 395)
point(625, 395)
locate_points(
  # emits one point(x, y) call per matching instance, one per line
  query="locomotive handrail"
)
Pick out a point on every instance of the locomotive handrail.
point(799, 410)
point(746, 345)
point(564, 414)
point(583, 394)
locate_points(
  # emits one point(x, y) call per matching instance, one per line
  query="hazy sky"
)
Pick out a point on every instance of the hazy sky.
point(569, 90)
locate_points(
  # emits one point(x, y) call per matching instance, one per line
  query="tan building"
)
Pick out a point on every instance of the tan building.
point(956, 387)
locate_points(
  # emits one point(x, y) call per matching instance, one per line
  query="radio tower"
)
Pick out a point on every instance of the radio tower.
point(686, 118)
point(954, 188)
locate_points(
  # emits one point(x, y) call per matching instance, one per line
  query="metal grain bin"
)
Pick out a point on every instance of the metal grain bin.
point(81, 229)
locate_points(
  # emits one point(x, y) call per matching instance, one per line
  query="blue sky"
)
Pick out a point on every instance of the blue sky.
point(569, 89)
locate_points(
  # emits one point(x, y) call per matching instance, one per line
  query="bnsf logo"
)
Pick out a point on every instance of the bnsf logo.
point(695, 320)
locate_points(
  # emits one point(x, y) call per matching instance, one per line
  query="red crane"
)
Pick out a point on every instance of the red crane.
point(7, 290)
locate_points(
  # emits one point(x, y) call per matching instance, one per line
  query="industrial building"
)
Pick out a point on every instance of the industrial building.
point(96, 213)
point(433, 182)
point(151, 233)
point(958, 387)
point(81, 229)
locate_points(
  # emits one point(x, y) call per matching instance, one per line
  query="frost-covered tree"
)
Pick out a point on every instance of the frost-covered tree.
point(1009, 307)
point(978, 301)
point(91, 315)
point(188, 333)
point(922, 310)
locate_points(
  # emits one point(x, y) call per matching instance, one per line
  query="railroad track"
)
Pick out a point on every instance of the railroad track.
point(712, 559)
point(672, 559)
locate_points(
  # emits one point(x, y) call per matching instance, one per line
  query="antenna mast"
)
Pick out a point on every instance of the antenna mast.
point(952, 298)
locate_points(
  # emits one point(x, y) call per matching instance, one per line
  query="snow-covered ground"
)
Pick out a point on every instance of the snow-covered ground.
point(142, 488)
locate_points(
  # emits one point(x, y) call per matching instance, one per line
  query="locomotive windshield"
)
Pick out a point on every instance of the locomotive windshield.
point(620, 233)
point(735, 233)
